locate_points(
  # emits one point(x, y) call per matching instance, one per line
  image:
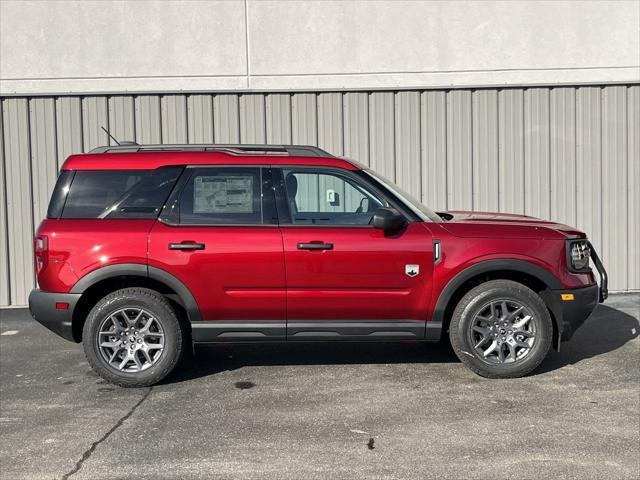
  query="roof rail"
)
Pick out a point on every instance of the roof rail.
point(292, 150)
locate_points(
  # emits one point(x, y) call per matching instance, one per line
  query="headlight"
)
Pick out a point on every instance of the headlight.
point(578, 255)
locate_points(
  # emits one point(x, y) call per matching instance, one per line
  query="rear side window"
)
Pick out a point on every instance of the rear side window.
point(118, 193)
point(222, 196)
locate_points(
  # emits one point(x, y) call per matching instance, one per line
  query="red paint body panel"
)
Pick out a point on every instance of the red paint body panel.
point(362, 277)
point(77, 247)
point(152, 160)
point(238, 276)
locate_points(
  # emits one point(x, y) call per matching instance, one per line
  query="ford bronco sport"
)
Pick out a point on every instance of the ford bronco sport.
point(146, 249)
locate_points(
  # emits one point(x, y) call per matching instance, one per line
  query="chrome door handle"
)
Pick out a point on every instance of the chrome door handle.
point(315, 246)
point(186, 246)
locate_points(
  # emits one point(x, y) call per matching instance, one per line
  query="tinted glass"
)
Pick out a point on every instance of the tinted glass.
point(146, 198)
point(59, 195)
point(326, 198)
point(222, 196)
point(119, 193)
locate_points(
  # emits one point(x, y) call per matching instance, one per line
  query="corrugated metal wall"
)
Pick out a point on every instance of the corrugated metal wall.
point(569, 154)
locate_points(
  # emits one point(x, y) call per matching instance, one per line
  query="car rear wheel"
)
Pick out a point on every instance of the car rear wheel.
point(133, 338)
point(501, 329)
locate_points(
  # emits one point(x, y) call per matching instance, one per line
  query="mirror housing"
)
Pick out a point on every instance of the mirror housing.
point(389, 219)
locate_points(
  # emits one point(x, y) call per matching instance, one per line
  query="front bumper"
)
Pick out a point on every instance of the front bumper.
point(571, 308)
point(42, 306)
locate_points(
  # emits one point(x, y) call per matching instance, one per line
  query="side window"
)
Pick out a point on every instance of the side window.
point(113, 193)
point(222, 196)
point(328, 198)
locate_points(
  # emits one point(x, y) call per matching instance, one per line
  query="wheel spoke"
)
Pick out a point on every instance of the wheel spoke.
point(154, 334)
point(482, 341)
point(146, 355)
point(522, 322)
point(501, 353)
point(515, 313)
point(114, 355)
point(111, 344)
point(481, 330)
point(512, 351)
point(147, 325)
point(124, 362)
point(505, 311)
point(154, 346)
point(491, 348)
point(519, 343)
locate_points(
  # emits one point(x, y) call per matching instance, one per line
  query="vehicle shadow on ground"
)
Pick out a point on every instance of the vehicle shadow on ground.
point(212, 359)
point(607, 330)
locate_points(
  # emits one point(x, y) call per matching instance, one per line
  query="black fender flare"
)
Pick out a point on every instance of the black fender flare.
point(142, 270)
point(512, 265)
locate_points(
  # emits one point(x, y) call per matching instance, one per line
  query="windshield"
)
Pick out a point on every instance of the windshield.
point(426, 214)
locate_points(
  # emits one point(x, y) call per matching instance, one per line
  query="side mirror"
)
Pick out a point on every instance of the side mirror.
point(389, 219)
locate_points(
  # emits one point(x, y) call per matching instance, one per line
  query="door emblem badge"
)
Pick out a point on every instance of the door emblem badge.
point(412, 270)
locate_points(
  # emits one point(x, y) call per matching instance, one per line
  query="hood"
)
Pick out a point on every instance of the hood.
point(469, 223)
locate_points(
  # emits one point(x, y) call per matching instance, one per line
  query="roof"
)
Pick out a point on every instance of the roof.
point(149, 160)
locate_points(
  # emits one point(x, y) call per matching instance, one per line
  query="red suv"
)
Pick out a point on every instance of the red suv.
point(148, 248)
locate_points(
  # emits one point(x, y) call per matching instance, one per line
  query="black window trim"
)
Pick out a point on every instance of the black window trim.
point(356, 176)
point(169, 215)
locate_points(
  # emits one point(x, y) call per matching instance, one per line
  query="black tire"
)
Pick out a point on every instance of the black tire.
point(157, 305)
point(474, 302)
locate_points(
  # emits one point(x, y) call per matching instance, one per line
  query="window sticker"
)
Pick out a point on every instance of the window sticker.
point(223, 194)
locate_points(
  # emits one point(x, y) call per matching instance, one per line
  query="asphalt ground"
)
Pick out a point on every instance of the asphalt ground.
point(308, 411)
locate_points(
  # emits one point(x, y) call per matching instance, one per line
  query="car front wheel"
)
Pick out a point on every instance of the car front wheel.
point(133, 338)
point(501, 329)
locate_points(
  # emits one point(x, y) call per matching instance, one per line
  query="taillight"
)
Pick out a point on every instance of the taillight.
point(42, 252)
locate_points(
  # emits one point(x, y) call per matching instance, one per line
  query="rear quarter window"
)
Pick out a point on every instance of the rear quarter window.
point(114, 193)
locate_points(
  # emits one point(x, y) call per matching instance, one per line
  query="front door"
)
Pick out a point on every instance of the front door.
point(220, 238)
point(345, 279)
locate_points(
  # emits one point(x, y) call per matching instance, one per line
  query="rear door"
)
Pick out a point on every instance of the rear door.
point(345, 279)
point(219, 236)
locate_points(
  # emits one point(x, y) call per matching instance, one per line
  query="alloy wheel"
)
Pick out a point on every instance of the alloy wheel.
point(131, 340)
point(503, 331)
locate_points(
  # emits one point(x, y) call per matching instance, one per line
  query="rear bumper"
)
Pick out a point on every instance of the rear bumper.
point(42, 306)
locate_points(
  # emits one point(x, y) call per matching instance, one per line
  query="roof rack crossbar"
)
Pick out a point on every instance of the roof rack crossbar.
point(293, 150)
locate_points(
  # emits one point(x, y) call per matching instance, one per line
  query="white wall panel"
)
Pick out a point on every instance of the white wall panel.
point(226, 119)
point(562, 140)
point(511, 150)
point(95, 115)
point(5, 299)
point(633, 185)
point(252, 119)
point(304, 119)
point(614, 184)
point(536, 153)
point(407, 142)
point(173, 110)
point(19, 198)
point(200, 118)
point(571, 154)
point(459, 159)
point(382, 133)
point(278, 114)
point(433, 135)
point(356, 126)
point(330, 124)
point(485, 150)
point(44, 171)
point(148, 119)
